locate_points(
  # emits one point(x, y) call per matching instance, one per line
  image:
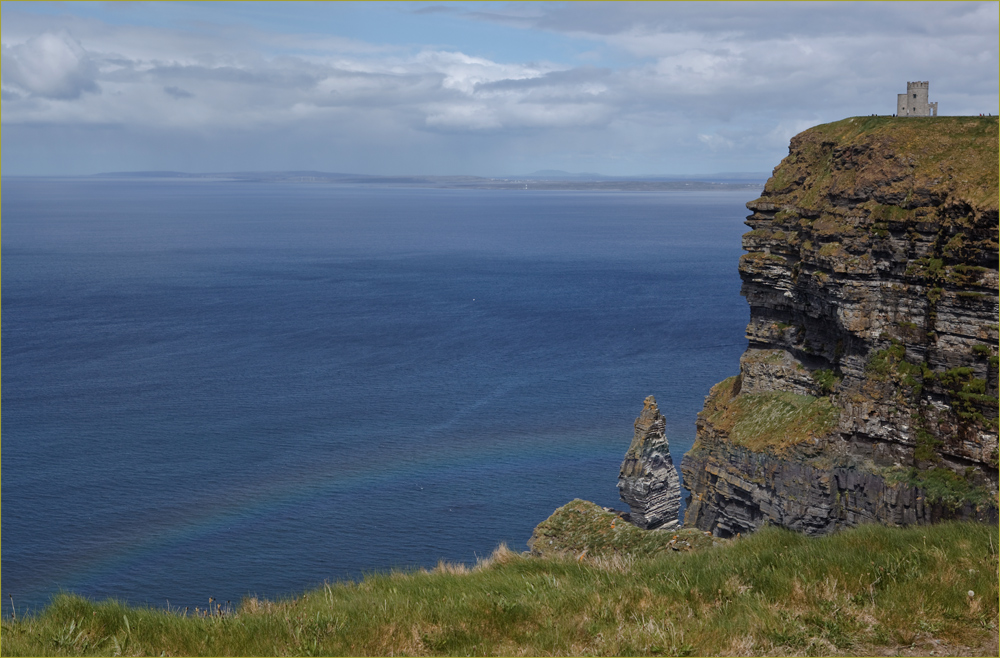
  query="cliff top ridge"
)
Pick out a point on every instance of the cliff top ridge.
point(928, 157)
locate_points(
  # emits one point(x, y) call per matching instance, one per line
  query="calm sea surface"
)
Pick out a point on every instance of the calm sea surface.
point(222, 389)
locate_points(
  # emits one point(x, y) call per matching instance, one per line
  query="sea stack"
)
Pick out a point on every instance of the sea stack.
point(648, 479)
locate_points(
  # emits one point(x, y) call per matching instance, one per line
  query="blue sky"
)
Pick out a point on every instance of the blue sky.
point(467, 88)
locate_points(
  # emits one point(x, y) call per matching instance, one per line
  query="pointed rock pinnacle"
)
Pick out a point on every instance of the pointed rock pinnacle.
point(648, 480)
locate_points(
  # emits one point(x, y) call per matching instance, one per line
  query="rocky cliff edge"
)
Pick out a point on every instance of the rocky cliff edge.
point(868, 391)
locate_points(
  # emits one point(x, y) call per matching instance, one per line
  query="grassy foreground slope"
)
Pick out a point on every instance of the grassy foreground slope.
point(867, 591)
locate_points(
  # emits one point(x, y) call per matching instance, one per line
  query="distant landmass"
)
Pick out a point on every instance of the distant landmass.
point(756, 177)
point(548, 179)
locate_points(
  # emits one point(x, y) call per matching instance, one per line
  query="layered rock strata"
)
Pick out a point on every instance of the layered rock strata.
point(648, 479)
point(868, 391)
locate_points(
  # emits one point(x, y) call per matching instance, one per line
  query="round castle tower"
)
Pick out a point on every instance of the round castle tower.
point(914, 102)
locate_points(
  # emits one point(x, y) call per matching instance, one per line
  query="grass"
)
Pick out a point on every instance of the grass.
point(968, 395)
point(774, 421)
point(826, 379)
point(957, 152)
point(890, 364)
point(581, 528)
point(945, 486)
point(871, 590)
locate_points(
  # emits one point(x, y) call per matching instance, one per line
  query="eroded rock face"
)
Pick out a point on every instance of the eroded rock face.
point(871, 275)
point(812, 488)
point(648, 479)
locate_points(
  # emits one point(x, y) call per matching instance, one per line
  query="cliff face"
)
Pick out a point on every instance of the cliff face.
point(868, 391)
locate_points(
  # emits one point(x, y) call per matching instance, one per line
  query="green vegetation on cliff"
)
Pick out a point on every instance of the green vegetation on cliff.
point(866, 591)
point(957, 154)
point(773, 421)
point(967, 393)
point(581, 528)
point(945, 486)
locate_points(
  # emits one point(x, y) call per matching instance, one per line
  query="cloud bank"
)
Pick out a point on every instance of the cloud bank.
point(626, 89)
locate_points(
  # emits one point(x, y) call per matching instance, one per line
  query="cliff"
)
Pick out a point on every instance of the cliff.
point(868, 391)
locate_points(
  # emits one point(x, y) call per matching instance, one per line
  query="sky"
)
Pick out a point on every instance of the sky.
point(467, 88)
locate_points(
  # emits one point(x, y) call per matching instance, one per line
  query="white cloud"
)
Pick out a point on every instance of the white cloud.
point(462, 72)
point(716, 141)
point(234, 90)
point(469, 117)
point(50, 65)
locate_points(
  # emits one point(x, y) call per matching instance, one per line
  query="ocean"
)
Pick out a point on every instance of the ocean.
point(222, 389)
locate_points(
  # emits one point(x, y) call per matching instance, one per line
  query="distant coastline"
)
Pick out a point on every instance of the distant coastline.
point(547, 180)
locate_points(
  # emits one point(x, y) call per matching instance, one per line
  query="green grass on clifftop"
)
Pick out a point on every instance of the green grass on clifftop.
point(774, 421)
point(955, 155)
point(582, 529)
point(871, 590)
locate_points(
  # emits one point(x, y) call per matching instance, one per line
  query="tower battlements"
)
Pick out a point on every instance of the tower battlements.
point(914, 102)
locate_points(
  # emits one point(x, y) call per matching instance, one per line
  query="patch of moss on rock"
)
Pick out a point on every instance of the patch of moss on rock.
point(890, 364)
point(945, 486)
point(826, 379)
point(968, 395)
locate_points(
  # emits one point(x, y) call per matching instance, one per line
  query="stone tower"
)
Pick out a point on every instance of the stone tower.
point(914, 102)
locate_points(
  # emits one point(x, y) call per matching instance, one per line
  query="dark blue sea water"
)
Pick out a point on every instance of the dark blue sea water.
point(221, 389)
